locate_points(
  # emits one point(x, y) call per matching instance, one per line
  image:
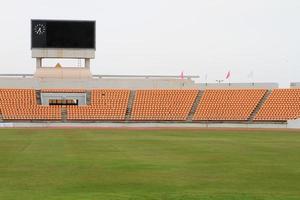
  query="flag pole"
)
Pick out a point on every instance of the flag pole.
point(228, 77)
point(252, 78)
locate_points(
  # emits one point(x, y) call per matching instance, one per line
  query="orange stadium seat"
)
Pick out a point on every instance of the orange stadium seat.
point(228, 104)
point(163, 105)
point(282, 105)
point(20, 104)
point(63, 90)
point(105, 105)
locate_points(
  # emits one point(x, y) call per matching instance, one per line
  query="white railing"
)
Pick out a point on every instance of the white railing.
point(145, 76)
point(114, 76)
point(16, 75)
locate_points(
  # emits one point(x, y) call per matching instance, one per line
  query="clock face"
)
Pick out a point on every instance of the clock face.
point(39, 29)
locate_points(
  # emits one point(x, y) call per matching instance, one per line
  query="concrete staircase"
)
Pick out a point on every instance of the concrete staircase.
point(88, 97)
point(38, 97)
point(64, 113)
point(130, 104)
point(260, 104)
point(195, 105)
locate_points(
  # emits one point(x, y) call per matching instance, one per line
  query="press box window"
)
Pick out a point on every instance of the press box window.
point(63, 102)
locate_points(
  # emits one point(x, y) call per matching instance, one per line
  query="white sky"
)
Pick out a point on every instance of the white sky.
point(167, 36)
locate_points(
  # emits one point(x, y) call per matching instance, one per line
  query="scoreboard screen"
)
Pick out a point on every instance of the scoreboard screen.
point(63, 34)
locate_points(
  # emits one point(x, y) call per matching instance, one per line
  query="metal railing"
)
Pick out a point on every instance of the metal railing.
point(116, 76)
point(146, 76)
point(17, 75)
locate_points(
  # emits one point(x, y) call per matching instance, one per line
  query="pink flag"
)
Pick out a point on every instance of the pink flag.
point(181, 75)
point(228, 75)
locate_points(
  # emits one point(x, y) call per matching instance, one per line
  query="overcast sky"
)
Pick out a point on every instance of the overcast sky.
point(167, 36)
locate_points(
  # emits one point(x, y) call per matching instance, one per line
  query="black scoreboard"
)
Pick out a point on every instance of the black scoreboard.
point(63, 34)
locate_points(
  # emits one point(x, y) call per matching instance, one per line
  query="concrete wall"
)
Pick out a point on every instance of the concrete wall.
point(294, 123)
point(62, 53)
point(48, 83)
point(147, 125)
point(81, 97)
point(62, 73)
point(122, 83)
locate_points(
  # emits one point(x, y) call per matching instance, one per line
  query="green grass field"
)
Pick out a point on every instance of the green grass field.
point(86, 164)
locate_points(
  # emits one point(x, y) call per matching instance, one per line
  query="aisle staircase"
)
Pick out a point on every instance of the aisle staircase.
point(64, 113)
point(195, 105)
point(260, 104)
point(130, 104)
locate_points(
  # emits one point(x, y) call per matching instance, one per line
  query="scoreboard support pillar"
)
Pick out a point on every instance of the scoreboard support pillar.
point(38, 63)
point(87, 63)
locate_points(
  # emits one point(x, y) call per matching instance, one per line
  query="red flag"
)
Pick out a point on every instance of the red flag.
point(228, 75)
point(181, 75)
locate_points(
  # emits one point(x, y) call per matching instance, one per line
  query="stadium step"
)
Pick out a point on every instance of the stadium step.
point(88, 97)
point(260, 104)
point(38, 97)
point(130, 104)
point(195, 105)
point(64, 113)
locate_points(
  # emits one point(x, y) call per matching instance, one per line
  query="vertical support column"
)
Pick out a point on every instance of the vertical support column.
point(38, 62)
point(87, 63)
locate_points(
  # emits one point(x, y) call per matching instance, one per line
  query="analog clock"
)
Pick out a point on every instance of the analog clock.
point(39, 29)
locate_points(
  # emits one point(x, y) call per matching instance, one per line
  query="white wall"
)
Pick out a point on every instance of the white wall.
point(46, 83)
point(81, 97)
point(294, 123)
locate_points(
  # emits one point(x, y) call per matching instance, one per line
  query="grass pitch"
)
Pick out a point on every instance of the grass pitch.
point(86, 164)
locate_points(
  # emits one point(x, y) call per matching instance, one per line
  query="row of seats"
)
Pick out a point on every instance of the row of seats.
point(105, 105)
point(159, 105)
point(20, 104)
point(236, 105)
point(282, 104)
point(163, 105)
point(63, 90)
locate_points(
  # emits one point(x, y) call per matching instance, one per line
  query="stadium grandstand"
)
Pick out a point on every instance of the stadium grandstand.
point(72, 95)
point(150, 100)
